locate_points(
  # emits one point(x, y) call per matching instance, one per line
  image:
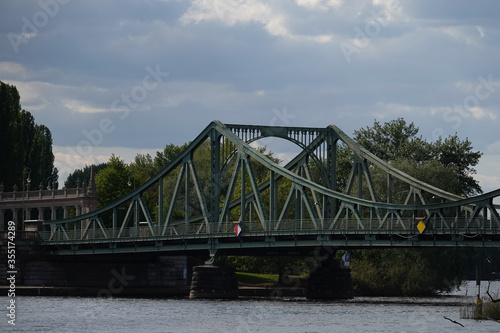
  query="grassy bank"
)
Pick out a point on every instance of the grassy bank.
point(491, 310)
point(487, 310)
point(256, 279)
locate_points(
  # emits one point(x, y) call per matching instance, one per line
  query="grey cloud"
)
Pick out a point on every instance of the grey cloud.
point(91, 53)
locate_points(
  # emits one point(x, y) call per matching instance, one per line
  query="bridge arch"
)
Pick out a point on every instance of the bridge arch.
point(231, 193)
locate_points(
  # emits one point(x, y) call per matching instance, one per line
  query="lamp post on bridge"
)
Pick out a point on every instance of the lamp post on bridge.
point(26, 188)
point(130, 182)
point(50, 180)
point(26, 180)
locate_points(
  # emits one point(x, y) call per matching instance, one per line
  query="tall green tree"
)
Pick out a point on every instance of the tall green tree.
point(408, 272)
point(447, 164)
point(393, 140)
point(142, 168)
point(41, 155)
point(460, 158)
point(111, 182)
point(398, 142)
point(26, 147)
point(169, 153)
point(83, 175)
point(10, 159)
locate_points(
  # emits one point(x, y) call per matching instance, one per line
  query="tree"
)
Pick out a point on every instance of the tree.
point(111, 182)
point(25, 145)
point(461, 159)
point(169, 153)
point(397, 143)
point(447, 164)
point(408, 272)
point(83, 175)
point(393, 140)
point(42, 156)
point(10, 159)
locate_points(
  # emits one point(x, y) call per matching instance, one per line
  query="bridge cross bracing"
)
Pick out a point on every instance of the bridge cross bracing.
point(194, 203)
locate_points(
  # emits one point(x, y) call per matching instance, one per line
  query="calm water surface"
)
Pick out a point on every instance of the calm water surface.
point(73, 314)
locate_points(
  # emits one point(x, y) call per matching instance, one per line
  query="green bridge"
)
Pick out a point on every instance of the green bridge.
point(243, 202)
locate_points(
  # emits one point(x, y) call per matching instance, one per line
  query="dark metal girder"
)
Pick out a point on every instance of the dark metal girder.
point(304, 241)
point(303, 189)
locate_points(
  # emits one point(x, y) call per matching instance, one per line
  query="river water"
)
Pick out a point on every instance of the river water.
point(78, 314)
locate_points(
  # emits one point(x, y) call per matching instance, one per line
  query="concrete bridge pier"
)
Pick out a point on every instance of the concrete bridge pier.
point(330, 281)
point(213, 281)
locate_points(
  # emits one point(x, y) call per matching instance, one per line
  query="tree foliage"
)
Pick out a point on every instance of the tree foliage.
point(393, 140)
point(83, 175)
point(111, 182)
point(25, 145)
point(409, 272)
point(397, 142)
point(460, 158)
point(169, 153)
point(447, 164)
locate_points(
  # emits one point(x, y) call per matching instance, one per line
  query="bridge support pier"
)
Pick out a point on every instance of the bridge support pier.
point(214, 282)
point(330, 281)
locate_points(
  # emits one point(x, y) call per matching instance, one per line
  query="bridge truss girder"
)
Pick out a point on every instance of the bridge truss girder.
point(233, 192)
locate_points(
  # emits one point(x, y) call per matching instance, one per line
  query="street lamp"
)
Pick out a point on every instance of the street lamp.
point(26, 171)
point(50, 180)
point(130, 182)
point(26, 181)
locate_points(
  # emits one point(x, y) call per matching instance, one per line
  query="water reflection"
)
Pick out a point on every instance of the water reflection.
point(362, 314)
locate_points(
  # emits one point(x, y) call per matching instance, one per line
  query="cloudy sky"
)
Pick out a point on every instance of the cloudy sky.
point(129, 77)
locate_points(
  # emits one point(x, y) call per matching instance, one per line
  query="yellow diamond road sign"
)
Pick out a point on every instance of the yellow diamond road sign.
point(421, 226)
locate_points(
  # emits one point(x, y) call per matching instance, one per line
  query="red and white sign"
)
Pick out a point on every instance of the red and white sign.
point(237, 230)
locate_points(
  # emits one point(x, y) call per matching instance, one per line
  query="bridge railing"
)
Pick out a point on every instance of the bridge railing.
point(42, 194)
point(408, 226)
point(63, 234)
point(19, 235)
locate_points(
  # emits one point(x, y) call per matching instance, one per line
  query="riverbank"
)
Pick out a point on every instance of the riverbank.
point(97, 292)
point(283, 315)
point(464, 295)
point(244, 292)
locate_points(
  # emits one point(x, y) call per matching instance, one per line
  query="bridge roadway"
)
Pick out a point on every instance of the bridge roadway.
point(290, 237)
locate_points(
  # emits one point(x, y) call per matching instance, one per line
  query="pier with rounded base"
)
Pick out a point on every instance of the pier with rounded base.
point(330, 281)
point(215, 282)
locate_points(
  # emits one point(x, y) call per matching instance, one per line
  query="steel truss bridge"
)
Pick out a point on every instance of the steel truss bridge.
point(223, 183)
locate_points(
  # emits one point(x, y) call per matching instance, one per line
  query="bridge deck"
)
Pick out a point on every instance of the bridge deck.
point(298, 235)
